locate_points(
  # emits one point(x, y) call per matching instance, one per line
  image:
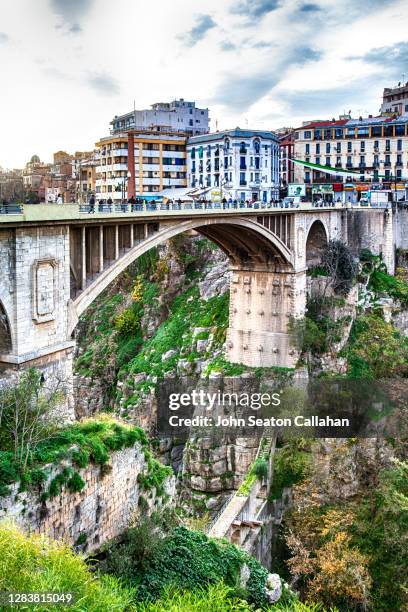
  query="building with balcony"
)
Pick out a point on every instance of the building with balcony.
point(374, 149)
point(140, 164)
point(178, 116)
point(237, 164)
point(286, 151)
point(395, 100)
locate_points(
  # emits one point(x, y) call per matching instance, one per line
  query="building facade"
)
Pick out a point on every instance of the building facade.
point(178, 115)
point(286, 153)
point(140, 164)
point(237, 164)
point(374, 149)
point(395, 100)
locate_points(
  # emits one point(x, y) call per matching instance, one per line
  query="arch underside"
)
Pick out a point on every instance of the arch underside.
point(5, 332)
point(316, 241)
point(245, 242)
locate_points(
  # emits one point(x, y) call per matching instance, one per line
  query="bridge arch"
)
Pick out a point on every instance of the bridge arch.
point(5, 331)
point(316, 240)
point(245, 242)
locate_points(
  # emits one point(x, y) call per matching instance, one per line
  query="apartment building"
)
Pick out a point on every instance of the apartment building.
point(374, 149)
point(395, 100)
point(237, 164)
point(140, 163)
point(178, 115)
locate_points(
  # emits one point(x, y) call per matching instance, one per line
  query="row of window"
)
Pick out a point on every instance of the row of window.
point(353, 132)
point(375, 162)
point(337, 147)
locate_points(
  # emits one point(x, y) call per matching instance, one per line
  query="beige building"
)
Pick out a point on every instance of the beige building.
point(374, 149)
point(157, 162)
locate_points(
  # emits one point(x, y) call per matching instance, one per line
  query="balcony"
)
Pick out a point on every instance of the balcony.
point(399, 164)
point(119, 152)
point(244, 167)
point(387, 164)
point(242, 183)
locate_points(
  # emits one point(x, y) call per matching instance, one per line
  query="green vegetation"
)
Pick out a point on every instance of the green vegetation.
point(85, 442)
point(353, 554)
point(290, 465)
point(35, 564)
point(184, 559)
point(258, 470)
point(155, 476)
point(380, 282)
point(318, 332)
point(175, 333)
point(376, 349)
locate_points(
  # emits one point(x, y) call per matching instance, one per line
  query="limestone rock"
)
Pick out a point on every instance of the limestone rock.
point(273, 588)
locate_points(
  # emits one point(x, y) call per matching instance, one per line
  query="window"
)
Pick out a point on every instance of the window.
point(327, 147)
point(349, 162)
point(328, 160)
point(349, 147)
point(406, 108)
point(388, 145)
point(317, 160)
point(362, 146)
point(338, 147)
point(307, 135)
point(399, 159)
point(376, 145)
point(307, 150)
point(317, 148)
point(400, 130)
point(318, 134)
point(338, 133)
point(389, 130)
point(338, 162)
point(242, 148)
point(350, 132)
point(362, 131)
point(242, 163)
point(242, 178)
point(399, 145)
point(307, 177)
point(376, 131)
point(327, 134)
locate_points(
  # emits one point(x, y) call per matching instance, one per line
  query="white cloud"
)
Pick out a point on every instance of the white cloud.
point(71, 66)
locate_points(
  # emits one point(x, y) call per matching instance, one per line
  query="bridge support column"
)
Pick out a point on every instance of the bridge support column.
point(35, 294)
point(261, 305)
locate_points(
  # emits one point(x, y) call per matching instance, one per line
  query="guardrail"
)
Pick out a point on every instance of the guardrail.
point(11, 209)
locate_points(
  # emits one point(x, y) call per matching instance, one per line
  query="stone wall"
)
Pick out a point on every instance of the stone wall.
point(95, 515)
point(373, 230)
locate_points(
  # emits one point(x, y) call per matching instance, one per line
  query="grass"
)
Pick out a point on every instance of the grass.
point(89, 441)
point(35, 564)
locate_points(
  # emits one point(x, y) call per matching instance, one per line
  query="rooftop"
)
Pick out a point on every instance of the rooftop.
point(236, 133)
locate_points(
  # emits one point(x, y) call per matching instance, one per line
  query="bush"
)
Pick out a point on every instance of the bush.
point(340, 265)
point(217, 598)
point(376, 350)
point(186, 559)
point(128, 322)
point(35, 564)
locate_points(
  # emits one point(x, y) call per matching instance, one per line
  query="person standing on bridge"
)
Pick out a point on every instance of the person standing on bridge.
point(92, 203)
point(109, 202)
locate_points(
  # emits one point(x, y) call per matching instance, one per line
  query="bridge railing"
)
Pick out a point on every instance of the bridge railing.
point(11, 209)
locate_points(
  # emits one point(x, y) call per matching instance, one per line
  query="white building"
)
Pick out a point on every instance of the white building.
point(177, 116)
point(237, 164)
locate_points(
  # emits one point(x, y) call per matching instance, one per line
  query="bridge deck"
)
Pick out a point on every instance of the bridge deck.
point(75, 213)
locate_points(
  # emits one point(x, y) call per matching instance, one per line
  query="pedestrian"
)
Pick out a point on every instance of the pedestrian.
point(59, 199)
point(92, 204)
point(109, 202)
point(224, 202)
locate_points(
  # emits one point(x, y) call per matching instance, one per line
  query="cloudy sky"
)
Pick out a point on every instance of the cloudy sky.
point(68, 66)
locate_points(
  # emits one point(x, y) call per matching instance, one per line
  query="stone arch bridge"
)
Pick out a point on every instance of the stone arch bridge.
point(55, 260)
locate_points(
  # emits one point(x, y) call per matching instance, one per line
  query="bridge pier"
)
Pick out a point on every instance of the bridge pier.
point(34, 291)
point(262, 303)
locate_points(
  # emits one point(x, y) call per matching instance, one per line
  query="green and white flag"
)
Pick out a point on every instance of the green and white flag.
point(333, 171)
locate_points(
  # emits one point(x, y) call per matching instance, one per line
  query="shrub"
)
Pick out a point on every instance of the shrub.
point(35, 564)
point(127, 322)
point(340, 265)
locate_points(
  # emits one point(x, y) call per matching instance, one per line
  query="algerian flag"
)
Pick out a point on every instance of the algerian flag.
point(333, 171)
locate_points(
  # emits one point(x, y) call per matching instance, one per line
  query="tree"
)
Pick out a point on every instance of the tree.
point(340, 265)
point(27, 415)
